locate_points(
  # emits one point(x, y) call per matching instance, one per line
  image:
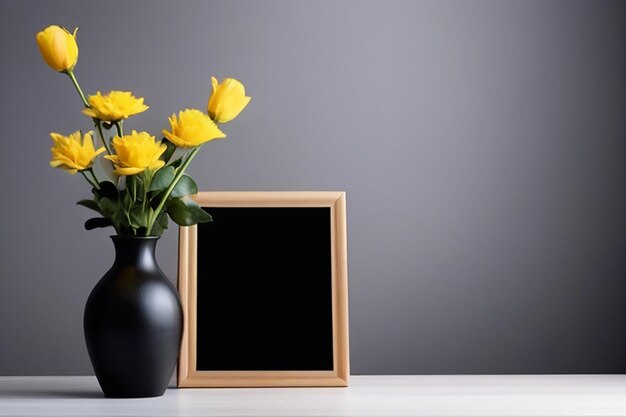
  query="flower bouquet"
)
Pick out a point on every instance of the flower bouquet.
point(146, 184)
point(133, 319)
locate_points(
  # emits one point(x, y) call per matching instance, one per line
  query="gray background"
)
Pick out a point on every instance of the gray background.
point(481, 145)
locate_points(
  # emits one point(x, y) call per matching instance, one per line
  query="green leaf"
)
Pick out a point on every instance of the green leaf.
point(138, 217)
point(162, 220)
point(157, 230)
point(127, 200)
point(120, 220)
point(154, 198)
point(185, 186)
point(186, 212)
point(108, 190)
point(133, 184)
point(167, 155)
point(162, 179)
point(107, 206)
point(90, 204)
point(138, 184)
point(177, 162)
point(96, 222)
point(130, 181)
point(116, 213)
point(160, 225)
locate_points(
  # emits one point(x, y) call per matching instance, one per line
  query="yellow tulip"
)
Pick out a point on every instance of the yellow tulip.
point(115, 106)
point(227, 100)
point(72, 155)
point(58, 47)
point(192, 128)
point(135, 153)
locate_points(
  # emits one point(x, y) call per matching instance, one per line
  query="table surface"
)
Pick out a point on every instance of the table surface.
point(449, 395)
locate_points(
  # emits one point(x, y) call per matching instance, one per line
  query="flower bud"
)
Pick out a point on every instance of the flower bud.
point(227, 100)
point(58, 47)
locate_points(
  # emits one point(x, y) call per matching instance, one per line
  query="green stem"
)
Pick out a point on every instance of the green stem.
point(95, 185)
point(134, 184)
point(120, 128)
point(130, 187)
point(146, 186)
point(169, 190)
point(93, 174)
point(96, 122)
point(147, 180)
point(70, 74)
point(101, 134)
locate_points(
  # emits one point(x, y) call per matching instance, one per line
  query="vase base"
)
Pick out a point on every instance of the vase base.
point(120, 395)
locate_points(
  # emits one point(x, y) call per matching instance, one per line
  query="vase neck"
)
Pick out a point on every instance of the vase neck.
point(139, 251)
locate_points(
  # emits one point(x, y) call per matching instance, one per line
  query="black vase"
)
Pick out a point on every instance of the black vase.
point(133, 323)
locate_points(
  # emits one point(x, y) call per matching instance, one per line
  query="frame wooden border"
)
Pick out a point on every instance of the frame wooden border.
point(188, 376)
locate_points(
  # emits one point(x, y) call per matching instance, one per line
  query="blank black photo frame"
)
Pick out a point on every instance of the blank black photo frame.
point(264, 290)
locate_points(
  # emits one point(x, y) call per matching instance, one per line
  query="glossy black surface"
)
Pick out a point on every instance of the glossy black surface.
point(133, 323)
point(264, 289)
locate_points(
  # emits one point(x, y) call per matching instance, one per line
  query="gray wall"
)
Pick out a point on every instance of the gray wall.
point(481, 145)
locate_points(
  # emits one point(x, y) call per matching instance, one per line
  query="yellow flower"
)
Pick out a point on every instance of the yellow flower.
point(227, 100)
point(58, 47)
point(135, 153)
point(115, 106)
point(70, 154)
point(192, 128)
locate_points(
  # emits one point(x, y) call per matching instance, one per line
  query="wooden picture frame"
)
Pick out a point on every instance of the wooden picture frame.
point(188, 375)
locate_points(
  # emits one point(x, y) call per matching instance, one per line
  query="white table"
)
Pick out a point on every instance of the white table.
point(488, 395)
